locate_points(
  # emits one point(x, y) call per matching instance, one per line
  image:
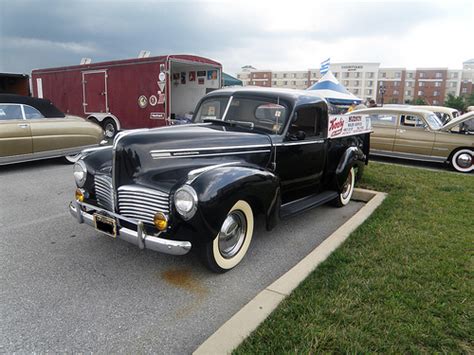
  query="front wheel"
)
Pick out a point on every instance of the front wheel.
point(71, 159)
point(347, 190)
point(229, 247)
point(110, 128)
point(462, 160)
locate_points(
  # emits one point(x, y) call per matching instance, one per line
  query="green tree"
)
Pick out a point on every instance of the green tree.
point(456, 102)
point(418, 101)
point(470, 100)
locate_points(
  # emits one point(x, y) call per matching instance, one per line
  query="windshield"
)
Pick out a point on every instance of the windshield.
point(434, 121)
point(262, 114)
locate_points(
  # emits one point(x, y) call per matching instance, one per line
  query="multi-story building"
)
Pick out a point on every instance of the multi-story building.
point(369, 81)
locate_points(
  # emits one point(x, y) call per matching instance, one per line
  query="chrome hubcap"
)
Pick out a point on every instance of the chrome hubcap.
point(232, 234)
point(464, 160)
point(346, 190)
point(109, 130)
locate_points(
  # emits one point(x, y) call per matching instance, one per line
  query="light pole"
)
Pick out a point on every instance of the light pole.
point(381, 92)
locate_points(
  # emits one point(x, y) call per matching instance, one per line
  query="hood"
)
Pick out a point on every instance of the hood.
point(457, 120)
point(164, 156)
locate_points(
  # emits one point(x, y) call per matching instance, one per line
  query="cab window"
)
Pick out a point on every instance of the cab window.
point(10, 112)
point(306, 124)
point(31, 112)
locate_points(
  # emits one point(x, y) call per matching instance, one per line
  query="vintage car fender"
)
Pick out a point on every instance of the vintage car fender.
point(353, 156)
point(219, 189)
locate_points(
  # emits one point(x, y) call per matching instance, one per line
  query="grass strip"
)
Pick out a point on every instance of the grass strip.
point(402, 282)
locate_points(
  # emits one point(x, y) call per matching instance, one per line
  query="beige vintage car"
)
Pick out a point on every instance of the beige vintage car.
point(445, 114)
point(413, 133)
point(32, 129)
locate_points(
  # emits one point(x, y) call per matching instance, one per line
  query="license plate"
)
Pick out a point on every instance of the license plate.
point(106, 225)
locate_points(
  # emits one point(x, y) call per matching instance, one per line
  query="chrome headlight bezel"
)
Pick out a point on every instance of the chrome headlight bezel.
point(80, 173)
point(190, 193)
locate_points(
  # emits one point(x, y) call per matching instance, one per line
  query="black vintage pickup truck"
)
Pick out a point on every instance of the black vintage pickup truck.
point(248, 152)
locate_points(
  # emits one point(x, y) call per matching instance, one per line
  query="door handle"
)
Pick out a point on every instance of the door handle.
point(402, 130)
point(23, 125)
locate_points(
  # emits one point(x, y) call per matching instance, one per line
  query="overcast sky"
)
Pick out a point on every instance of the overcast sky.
point(278, 35)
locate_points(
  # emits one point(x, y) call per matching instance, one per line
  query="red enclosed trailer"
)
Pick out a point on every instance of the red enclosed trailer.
point(131, 93)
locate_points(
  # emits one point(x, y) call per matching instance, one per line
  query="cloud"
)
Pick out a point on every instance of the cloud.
point(273, 35)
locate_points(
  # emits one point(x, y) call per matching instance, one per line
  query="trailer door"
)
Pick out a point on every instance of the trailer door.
point(94, 87)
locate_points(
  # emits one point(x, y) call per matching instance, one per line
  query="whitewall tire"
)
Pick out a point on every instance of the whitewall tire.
point(231, 244)
point(347, 190)
point(462, 160)
point(72, 158)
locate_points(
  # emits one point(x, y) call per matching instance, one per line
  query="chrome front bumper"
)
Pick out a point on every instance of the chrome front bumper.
point(80, 211)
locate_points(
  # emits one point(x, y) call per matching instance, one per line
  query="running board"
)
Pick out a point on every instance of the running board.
point(305, 203)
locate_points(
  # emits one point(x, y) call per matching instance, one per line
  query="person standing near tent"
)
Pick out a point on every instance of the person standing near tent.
point(352, 106)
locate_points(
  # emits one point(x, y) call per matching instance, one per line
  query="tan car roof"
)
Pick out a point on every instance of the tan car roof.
point(397, 110)
point(455, 121)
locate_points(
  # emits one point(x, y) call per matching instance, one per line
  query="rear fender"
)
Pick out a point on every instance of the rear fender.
point(353, 156)
point(219, 189)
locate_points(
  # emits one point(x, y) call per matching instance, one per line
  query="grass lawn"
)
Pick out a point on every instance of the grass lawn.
point(402, 282)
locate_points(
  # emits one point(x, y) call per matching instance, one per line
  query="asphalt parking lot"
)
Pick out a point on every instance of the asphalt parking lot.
point(67, 288)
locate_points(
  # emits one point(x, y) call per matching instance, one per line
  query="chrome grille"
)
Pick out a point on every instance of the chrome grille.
point(103, 191)
point(141, 203)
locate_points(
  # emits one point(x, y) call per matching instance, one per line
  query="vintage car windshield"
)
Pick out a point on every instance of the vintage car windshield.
point(262, 114)
point(434, 121)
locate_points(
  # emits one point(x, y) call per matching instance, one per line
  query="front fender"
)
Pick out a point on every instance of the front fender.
point(219, 189)
point(353, 156)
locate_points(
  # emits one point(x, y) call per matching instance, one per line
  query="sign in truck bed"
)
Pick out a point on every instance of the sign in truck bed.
point(348, 125)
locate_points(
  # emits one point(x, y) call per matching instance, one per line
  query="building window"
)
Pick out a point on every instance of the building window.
point(284, 75)
point(422, 84)
point(398, 74)
point(274, 83)
point(265, 76)
point(435, 93)
point(356, 83)
point(435, 102)
point(437, 84)
point(356, 91)
point(238, 76)
point(369, 91)
point(293, 75)
point(384, 74)
point(464, 90)
point(369, 83)
point(274, 76)
point(396, 83)
point(293, 83)
point(410, 75)
point(408, 93)
point(336, 74)
point(420, 93)
point(357, 75)
point(370, 75)
point(453, 85)
point(381, 83)
point(306, 82)
point(422, 75)
point(314, 75)
point(346, 82)
point(346, 75)
point(396, 92)
point(439, 75)
point(408, 84)
point(454, 75)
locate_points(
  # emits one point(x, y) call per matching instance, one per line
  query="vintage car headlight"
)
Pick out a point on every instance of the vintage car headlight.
point(185, 201)
point(80, 173)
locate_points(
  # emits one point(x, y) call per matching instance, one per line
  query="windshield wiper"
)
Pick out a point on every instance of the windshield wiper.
point(230, 122)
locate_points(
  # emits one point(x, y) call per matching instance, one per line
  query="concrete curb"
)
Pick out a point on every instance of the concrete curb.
point(245, 321)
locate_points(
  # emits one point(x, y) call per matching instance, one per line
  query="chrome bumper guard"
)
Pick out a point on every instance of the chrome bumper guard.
point(80, 211)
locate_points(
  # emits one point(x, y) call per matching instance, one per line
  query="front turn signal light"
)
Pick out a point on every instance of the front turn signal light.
point(79, 195)
point(161, 221)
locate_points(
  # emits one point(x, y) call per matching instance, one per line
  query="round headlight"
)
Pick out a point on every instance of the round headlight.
point(80, 173)
point(185, 201)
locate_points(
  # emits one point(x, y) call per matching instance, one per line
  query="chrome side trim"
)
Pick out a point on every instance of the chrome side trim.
point(210, 148)
point(20, 158)
point(408, 156)
point(284, 144)
point(215, 154)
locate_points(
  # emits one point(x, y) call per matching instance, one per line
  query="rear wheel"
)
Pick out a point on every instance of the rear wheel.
point(347, 190)
point(462, 160)
point(229, 247)
point(110, 128)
